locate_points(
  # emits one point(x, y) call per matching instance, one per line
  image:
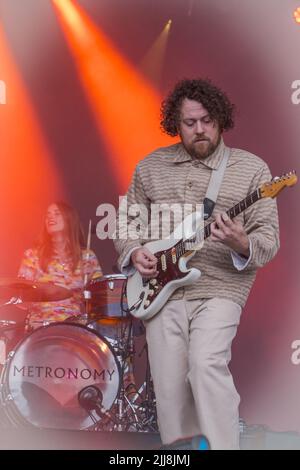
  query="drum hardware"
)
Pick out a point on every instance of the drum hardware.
point(5, 323)
point(10, 354)
point(88, 247)
point(87, 295)
point(111, 284)
point(6, 356)
point(147, 407)
point(91, 398)
point(12, 301)
point(145, 394)
point(135, 409)
point(6, 327)
point(29, 327)
point(127, 413)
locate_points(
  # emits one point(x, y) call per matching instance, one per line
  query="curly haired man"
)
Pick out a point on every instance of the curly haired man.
point(190, 338)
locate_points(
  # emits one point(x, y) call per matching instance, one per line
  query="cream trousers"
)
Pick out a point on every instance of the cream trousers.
point(189, 345)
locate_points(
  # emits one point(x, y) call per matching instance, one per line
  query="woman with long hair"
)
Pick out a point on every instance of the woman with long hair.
point(59, 257)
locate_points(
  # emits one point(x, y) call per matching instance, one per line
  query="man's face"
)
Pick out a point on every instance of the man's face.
point(200, 135)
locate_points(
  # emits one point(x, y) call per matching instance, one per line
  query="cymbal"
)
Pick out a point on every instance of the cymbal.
point(32, 291)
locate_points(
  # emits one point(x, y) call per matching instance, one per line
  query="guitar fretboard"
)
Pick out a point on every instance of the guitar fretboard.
point(237, 209)
point(183, 247)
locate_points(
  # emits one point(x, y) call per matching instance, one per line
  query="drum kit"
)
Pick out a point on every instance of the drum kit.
point(76, 374)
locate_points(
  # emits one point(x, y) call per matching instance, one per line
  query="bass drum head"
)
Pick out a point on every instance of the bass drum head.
point(42, 379)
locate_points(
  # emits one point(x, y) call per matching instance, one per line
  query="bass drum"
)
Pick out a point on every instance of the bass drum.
point(42, 378)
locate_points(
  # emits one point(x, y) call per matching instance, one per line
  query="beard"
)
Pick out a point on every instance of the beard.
point(202, 150)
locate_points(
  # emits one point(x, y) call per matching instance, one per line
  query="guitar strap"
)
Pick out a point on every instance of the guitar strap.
point(214, 185)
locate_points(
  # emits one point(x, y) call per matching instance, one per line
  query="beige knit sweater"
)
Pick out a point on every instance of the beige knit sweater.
point(170, 175)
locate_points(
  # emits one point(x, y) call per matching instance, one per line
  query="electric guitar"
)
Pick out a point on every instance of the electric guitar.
point(145, 297)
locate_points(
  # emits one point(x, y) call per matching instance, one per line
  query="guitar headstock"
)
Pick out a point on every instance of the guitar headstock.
point(273, 188)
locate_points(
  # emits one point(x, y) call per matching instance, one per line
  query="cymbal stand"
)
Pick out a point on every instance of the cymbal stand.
point(137, 409)
point(147, 407)
point(87, 295)
point(126, 414)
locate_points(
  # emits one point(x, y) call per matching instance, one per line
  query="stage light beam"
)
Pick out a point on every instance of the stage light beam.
point(28, 178)
point(154, 59)
point(124, 104)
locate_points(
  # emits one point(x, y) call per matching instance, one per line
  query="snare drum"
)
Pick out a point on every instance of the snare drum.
point(42, 378)
point(106, 299)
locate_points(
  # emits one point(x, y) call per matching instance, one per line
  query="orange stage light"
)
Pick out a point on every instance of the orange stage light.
point(125, 105)
point(28, 178)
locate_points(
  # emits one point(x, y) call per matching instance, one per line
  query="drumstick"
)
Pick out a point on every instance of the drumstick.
point(88, 246)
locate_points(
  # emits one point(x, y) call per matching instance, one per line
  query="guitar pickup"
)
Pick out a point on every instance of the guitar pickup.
point(163, 260)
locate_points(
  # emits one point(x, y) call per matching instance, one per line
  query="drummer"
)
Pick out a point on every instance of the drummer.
point(59, 257)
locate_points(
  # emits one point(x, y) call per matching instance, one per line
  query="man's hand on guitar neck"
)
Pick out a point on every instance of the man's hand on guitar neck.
point(231, 233)
point(145, 262)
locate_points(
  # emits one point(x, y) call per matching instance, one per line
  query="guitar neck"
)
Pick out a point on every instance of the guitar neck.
point(184, 247)
point(237, 209)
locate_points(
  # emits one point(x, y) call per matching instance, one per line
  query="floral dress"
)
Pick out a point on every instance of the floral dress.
point(60, 274)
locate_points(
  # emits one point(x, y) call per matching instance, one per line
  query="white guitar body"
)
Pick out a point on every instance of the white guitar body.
point(146, 297)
